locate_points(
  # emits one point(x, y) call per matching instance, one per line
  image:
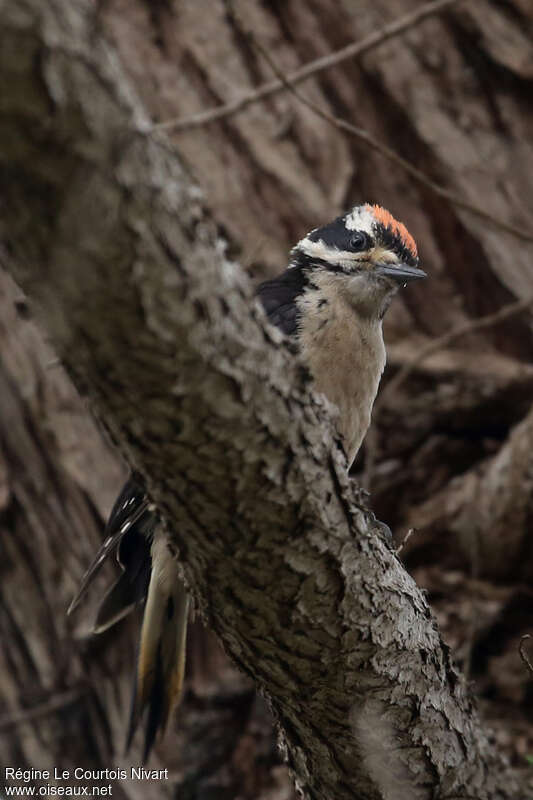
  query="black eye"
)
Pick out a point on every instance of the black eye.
point(359, 241)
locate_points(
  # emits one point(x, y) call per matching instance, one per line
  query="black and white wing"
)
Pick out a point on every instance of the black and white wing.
point(278, 297)
point(127, 535)
point(148, 577)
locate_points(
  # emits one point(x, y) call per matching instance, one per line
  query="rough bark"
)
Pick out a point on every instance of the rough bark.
point(64, 694)
point(104, 230)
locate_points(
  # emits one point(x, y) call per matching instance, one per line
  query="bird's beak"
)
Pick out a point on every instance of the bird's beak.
point(401, 273)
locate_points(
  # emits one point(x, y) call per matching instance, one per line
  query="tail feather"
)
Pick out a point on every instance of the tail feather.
point(161, 654)
point(149, 575)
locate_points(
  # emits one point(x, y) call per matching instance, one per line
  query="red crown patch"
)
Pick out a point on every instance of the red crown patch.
point(387, 220)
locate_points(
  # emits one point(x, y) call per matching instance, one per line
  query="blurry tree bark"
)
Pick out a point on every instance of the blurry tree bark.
point(451, 95)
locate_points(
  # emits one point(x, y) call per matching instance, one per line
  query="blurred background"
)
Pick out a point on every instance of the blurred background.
point(450, 455)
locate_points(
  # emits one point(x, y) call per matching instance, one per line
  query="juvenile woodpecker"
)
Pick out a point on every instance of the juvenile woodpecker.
point(331, 300)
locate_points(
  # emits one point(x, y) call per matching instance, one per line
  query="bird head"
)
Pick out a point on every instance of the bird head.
point(366, 255)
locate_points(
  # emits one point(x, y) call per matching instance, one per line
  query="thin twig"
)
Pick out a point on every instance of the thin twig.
point(470, 326)
point(405, 540)
point(523, 655)
point(433, 346)
point(366, 137)
point(312, 68)
point(43, 709)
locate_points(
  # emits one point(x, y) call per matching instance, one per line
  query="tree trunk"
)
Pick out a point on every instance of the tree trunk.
point(123, 242)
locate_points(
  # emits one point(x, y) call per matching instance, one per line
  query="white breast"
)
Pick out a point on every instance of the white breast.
point(346, 356)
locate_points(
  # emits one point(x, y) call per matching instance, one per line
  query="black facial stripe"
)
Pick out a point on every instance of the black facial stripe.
point(336, 234)
point(331, 234)
point(392, 241)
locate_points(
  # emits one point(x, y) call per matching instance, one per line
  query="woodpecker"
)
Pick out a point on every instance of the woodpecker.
point(331, 301)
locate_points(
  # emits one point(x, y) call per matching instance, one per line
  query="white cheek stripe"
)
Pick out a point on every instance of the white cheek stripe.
point(330, 254)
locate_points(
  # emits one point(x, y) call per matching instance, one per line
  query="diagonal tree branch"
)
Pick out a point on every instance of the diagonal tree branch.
point(105, 232)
